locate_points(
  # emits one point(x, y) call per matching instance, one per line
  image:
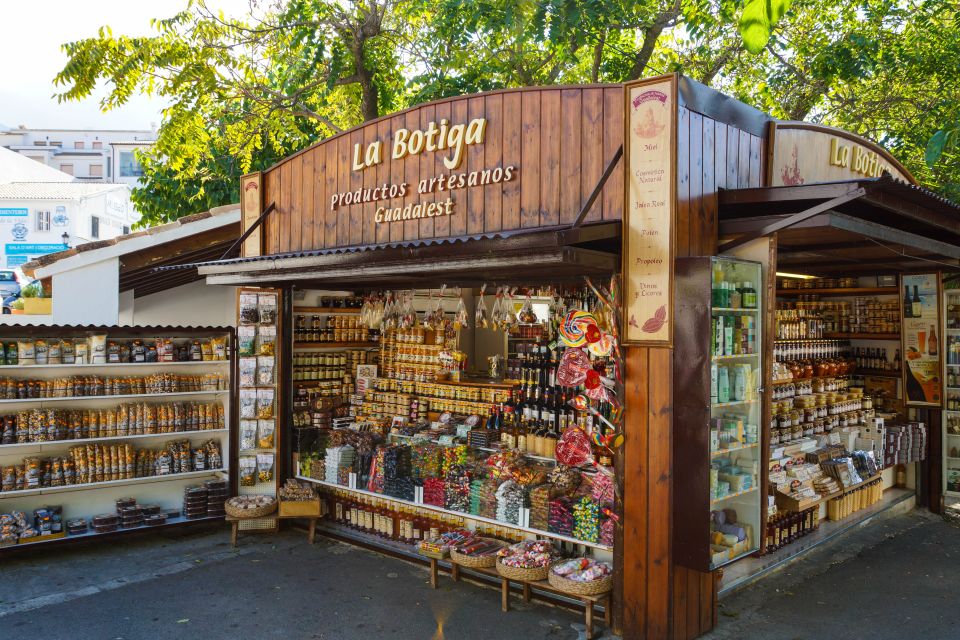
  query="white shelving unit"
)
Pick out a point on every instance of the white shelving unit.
point(461, 514)
point(951, 419)
point(90, 499)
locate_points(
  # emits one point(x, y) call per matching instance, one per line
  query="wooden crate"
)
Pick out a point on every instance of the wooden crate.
point(303, 508)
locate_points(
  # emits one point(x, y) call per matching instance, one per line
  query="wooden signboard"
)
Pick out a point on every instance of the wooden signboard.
point(650, 123)
point(922, 344)
point(499, 161)
point(804, 153)
point(251, 206)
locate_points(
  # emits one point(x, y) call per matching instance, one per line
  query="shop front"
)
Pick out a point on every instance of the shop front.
point(567, 314)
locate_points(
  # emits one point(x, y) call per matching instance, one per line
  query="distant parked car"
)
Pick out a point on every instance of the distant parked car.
point(9, 300)
point(9, 284)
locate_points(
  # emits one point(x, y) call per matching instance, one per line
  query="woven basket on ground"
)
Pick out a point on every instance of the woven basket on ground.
point(592, 588)
point(474, 562)
point(259, 512)
point(523, 575)
point(432, 554)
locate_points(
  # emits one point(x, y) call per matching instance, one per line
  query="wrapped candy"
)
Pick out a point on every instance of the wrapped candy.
point(531, 554)
point(510, 498)
point(561, 517)
point(586, 515)
point(434, 492)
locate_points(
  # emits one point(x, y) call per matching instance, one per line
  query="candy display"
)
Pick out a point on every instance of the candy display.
point(582, 569)
point(532, 554)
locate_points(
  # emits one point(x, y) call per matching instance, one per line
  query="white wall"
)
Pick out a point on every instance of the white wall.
point(88, 294)
point(194, 304)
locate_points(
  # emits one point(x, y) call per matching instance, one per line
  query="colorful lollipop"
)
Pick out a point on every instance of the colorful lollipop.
point(580, 403)
point(603, 346)
point(573, 329)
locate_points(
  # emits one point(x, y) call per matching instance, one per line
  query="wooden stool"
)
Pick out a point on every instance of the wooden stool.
point(235, 526)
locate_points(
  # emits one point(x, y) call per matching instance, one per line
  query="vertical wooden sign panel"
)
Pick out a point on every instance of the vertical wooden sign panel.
point(251, 206)
point(650, 123)
point(922, 363)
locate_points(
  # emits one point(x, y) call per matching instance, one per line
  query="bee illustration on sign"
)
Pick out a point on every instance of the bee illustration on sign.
point(652, 121)
point(19, 232)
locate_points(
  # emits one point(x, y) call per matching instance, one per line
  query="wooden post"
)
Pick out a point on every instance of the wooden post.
point(504, 594)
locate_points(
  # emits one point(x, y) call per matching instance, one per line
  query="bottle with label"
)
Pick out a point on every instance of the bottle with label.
point(917, 304)
point(723, 385)
point(907, 303)
point(749, 296)
point(932, 342)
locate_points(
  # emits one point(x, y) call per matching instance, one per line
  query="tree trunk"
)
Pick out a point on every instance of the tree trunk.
point(650, 41)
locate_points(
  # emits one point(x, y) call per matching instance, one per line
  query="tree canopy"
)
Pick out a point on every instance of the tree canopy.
point(244, 92)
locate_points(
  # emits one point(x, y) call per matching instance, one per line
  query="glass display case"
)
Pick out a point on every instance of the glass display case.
point(719, 410)
point(951, 377)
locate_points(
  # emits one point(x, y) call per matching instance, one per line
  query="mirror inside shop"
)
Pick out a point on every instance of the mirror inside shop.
point(488, 413)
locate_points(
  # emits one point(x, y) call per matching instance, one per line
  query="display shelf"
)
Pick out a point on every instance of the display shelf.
point(837, 494)
point(724, 405)
point(466, 516)
point(723, 452)
point(861, 336)
point(853, 291)
point(878, 373)
point(733, 310)
point(777, 383)
point(121, 397)
point(736, 357)
point(333, 310)
point(333, 345)
point(801, 340)
point(114, 365)
point(181, 520)
point(49, 443)
point(109, 483)
point(731, 496)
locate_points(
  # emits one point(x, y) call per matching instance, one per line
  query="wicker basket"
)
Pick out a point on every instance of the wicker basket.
point(432, 554)
point(522, 575)
point(592, 588)
point(259, 512)
point(474, 562)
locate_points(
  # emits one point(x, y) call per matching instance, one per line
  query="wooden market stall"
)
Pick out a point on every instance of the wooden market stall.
point(546, 185)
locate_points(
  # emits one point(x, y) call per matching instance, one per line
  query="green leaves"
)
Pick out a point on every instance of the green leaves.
point(938, 143)
point(757, 21)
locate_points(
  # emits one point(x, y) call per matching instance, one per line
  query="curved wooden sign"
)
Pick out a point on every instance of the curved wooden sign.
point(804, 153)
point(498, 161)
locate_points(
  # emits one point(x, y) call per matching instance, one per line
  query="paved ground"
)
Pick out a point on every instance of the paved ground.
point(894, 579)
point(272, 587)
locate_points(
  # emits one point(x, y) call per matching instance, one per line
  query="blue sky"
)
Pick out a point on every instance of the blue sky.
point(30, 50)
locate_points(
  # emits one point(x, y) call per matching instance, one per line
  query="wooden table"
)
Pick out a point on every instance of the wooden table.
point(588, 602)
point(235, 525)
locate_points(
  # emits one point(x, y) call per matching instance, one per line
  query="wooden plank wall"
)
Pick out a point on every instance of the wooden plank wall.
point(560, 138)
point(711, 156)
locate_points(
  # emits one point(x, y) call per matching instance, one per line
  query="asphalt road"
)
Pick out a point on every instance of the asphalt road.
point(894, 579)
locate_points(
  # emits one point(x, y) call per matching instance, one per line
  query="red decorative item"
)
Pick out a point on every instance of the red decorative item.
point(592, 380)
point(593, 333)
point(573, 366)
point(574, 449)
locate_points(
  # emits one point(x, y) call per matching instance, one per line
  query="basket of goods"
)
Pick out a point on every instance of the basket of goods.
point(476, 553)
point(255, 506)
point(299, 499)
point(527, 561)
point(439, 547)
point(581, 577)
